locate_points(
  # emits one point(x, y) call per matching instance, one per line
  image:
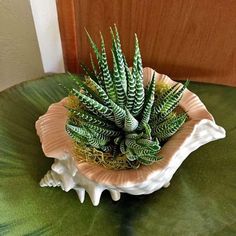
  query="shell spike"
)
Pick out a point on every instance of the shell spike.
point(95, 193)
point(115, 195)
point(81, 194)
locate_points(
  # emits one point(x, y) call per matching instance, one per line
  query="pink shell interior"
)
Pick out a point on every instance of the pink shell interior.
point(55, 141)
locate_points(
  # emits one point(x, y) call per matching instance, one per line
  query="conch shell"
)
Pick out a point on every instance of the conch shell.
point(68, 173)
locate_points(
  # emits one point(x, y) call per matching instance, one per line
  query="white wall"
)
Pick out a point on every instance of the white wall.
point(30, 41)
point(47, 29)
point(19, 52)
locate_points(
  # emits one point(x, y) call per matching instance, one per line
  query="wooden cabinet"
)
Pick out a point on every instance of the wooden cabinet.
point(193, 39)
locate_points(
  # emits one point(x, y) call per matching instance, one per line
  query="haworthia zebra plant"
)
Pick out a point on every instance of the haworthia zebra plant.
point(116, 113)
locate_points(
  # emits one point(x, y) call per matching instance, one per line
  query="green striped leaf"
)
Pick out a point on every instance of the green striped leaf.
point(139, 95)
point(107, 148)
point(169, 127)
point(138, 77)
point(134, 135)
point(131, 143)
point(168, 102)
point(130, 122)
point(88, 117)
point(93, 65)
point(119, 114)
point(138, 57)
point(93, 105)
point(78, 130)
point(148, 159)
point(82, 84)
point(102, 94)
point(149, 143)
point(110, 88)
point(94, 47)
point(148, 103)
point(118, 84)
point(102, 130)
point(119, 57)
point(131, 85)
point(131, 156)
point(89, 73)
point(122, 147)
point(78, 135)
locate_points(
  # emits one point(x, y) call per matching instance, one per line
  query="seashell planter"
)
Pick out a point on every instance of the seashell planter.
point(69, 173)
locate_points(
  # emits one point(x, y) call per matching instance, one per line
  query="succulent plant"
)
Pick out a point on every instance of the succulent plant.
point(116, 113)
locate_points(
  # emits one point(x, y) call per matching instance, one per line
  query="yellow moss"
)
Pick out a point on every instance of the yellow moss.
point(161, 87)
point(90, 84)
point(92, 155)
point(73, 102)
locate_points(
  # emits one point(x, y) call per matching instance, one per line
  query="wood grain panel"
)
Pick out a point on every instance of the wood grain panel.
point(67, 24)
point(193, 39)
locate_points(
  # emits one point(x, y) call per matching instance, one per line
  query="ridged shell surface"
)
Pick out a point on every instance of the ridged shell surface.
point(69, 173)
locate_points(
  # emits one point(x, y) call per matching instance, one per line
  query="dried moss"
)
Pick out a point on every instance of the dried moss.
point(89, 154)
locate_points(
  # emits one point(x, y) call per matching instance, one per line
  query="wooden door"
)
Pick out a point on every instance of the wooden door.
point(193, 39)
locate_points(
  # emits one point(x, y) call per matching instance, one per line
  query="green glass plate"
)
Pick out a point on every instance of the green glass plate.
point(201, 199)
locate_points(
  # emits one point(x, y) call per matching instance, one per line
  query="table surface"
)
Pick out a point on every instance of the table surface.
point(201, 199)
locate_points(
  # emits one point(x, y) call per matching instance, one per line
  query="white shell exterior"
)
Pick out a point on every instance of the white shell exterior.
point(67, 173)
